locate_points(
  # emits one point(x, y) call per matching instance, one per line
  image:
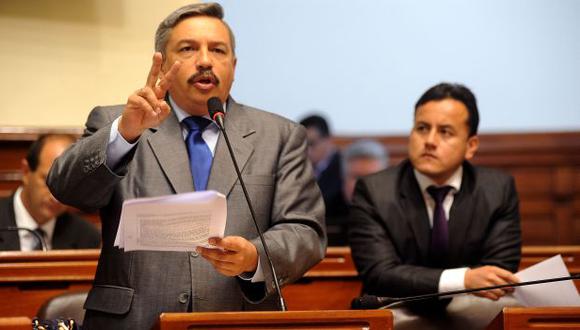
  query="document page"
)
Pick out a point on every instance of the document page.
point(172, 223)
point(562, 293)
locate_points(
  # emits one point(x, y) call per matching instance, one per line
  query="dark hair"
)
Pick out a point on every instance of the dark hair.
point(317, 122)
point(197, 9)
point(33, 155)
point(457, 92)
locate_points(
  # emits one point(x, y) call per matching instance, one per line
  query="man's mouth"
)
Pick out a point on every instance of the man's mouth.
point(204, 80)
point(428, 155)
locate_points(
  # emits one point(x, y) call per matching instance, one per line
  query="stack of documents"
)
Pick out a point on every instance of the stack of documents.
point(548, 294)
point(172, 223)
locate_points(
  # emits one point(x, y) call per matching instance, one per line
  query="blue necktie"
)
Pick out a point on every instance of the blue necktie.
point(200, 156)
point(439, 232)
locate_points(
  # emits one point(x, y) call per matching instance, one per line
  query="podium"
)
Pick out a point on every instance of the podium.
point(15, 323)
point(311, 320)
point(521, 318)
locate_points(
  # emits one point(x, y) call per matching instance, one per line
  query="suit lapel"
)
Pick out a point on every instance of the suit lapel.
point(414, 206)
point(223, 174)
point(461, 214)
point(9, 240)
point(169, 149)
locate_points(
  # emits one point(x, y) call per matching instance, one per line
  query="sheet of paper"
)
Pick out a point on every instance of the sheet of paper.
point(562, 293)
point(172, 223)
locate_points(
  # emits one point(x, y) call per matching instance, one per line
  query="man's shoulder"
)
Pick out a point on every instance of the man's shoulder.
point(259, 115)
point(389, 179)
point(488, 176)
point(71, 220)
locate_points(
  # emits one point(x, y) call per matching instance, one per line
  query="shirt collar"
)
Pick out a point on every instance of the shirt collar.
point(25, 220)
point(454, 181)
point(182, 114)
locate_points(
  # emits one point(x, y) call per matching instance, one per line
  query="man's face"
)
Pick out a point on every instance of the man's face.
point(36, 197)
point(356, 168)
point(318, 145)
point(439, 141)
point(202, 44)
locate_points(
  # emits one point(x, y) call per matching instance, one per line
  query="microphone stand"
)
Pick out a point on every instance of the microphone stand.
point(389, 302)
point(36, 235)
point(219, 121)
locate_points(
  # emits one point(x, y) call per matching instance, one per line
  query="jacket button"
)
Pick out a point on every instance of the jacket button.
point(194, 254)
point(183, 298)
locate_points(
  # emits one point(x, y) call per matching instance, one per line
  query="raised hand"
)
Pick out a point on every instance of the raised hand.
point(489, 276)
point(146, 107)
point(237, 255)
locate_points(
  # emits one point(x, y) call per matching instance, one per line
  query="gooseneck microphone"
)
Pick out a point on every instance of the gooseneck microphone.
point(374, 302)
point(216, 112)
point(36, 235)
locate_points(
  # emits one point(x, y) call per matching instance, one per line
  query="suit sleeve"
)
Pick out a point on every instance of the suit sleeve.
point(296, 238)
point(502, 245)
point(375, 256)
point(80, 176)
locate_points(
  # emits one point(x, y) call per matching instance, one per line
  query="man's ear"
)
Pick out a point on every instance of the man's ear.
point(25, 168)
point(472, 146)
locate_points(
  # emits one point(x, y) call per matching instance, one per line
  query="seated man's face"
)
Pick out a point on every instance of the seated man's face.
point(36, 196)
point(439, 141)
point(356, 168)
point(318, 146)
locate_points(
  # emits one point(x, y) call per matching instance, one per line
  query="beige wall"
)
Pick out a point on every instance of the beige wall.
point(60, 58)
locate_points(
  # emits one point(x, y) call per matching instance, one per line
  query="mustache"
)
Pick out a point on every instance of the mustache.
point(205, 74)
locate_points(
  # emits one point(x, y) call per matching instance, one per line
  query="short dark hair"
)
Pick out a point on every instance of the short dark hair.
point(33, 155)
point(456, 92)
point(197, 9)
point(317, 122)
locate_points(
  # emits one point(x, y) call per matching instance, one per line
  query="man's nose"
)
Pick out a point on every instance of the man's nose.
point(203, 59)
point(432, 138)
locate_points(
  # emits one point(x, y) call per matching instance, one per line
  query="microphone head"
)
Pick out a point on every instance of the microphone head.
point(366, 302)
point(215, 107)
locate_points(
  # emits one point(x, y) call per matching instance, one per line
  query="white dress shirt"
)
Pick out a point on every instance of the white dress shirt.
point(451, 279)
point(24, 220)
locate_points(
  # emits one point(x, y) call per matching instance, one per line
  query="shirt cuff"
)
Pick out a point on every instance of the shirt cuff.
point(257, 276)
point(452, 279)
point(118, 147)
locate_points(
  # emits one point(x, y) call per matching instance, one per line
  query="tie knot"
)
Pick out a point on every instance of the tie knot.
point(438, 193)
point(195, 123)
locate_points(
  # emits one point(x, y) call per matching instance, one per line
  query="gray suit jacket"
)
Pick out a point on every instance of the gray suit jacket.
point(132, 288)
point(390, 235)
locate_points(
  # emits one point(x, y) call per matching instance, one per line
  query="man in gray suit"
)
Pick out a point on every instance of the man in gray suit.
point(435, 222)
point(138, 150)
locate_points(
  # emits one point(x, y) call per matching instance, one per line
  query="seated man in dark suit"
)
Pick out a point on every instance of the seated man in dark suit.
point(327, 163)
point(435, 222)
point(32, 206)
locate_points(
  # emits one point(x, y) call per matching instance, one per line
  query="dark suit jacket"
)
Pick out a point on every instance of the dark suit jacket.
point(70, 231)
point(330, 182)
point(390, 235)
point(132, 288)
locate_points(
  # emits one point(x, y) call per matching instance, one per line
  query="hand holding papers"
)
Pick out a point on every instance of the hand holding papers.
point(549, 294)
point(172, 223)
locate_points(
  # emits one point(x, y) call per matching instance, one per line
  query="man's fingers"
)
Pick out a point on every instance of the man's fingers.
point(155, 69)
point(149, 96)
point(138, 101)
point(167, 80)
point(216, 254)
point(230, 243)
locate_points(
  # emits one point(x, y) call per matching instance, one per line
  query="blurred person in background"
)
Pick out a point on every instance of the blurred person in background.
point(32, 206)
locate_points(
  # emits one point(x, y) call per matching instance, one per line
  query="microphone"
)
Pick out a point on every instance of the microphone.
point(38, 237)
point(374, 302)
point(216, 112)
